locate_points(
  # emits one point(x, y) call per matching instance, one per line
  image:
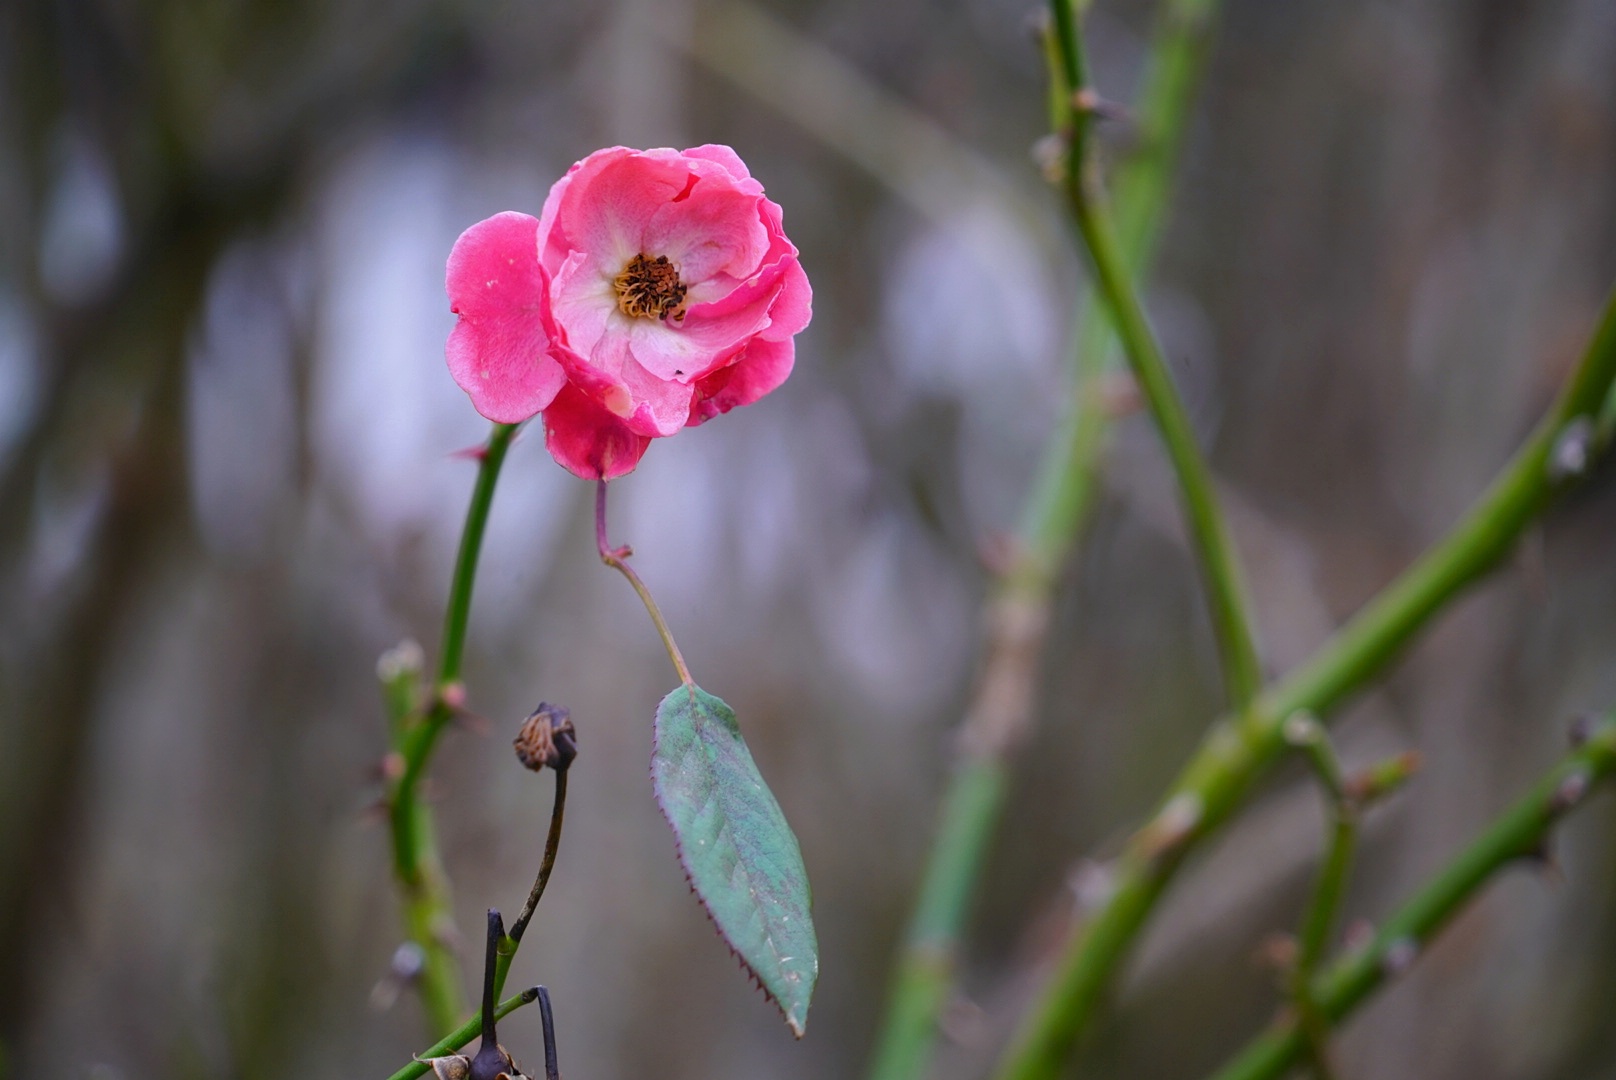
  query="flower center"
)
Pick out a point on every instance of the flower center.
point(650, 289)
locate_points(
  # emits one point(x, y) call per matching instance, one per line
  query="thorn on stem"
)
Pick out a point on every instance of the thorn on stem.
point(1277, 952)
point(1173, 825)
point(1049, 154)
point(1400, 956)
point(1303, 729)
point(1570, 791)
point(1572, 450)
point(1358, 934)
point(452, 695)
point(1581, 730)
point(405, 658)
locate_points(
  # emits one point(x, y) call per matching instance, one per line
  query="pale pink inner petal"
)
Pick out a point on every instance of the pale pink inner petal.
point(714, 230)
point(584, 302)
point(603, 212)
point(661, 406)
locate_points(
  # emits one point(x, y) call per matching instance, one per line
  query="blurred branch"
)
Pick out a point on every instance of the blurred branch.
point(896, 143)
point(1347, 799)
point(44, 778)
point(1237, 750)
point(1520, 832)
point(1000, 711)
point(1209, 533)
point(416, 862)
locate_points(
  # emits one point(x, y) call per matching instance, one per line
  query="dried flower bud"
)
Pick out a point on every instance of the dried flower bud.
point(547, 738)
point(452, 1067)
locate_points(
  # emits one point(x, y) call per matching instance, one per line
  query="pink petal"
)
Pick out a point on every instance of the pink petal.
point(584, 305)
point(723, 155)
point(793, 307)
point(762, 368)
point(602, 205)
point(587, 440)
point(715, 229)
point(499, 351)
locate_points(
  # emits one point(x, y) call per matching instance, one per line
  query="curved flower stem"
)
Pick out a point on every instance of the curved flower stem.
point(510, 942)
point(1236, 751)
point(617, 559)
point(1519, 833)
point(1209, 533)
point(416, 863)
point(1000, 711)
point(463, 1034)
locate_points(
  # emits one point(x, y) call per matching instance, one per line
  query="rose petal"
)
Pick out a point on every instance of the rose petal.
point(603, 205)
point(498, 353)
point(761, 369)
point(723, 155)
point(713, 230)
point(587, 440)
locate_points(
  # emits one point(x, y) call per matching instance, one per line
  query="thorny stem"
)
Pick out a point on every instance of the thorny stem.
point(1519, 833)
point(617, 559)
point(462, 1035)
point(416, 861)
point(1233, 755)
point(1307, 734)
point(1209, 533)
point(1000, 712)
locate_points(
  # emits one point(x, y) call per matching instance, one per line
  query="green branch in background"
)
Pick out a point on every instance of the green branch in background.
point(1018, 613)
point(1347, 799)
point(1519, 833)
point(428, 914)
point(1209, 533)
point(1236, 752)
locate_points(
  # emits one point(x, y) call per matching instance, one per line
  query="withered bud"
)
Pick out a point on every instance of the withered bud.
point(494, 1062)
point(453, 1067)
point(547, 738)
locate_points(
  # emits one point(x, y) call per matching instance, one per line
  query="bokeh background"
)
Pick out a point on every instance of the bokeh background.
point(226, 485)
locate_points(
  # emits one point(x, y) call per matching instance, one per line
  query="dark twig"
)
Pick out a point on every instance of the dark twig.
point(552, 1071)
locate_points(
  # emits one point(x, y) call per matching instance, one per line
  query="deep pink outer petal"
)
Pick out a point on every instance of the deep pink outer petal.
point(499, 351)
point(587, 440)
point(763, 367)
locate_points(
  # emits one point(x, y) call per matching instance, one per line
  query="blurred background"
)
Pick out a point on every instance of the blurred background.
point(227, 485)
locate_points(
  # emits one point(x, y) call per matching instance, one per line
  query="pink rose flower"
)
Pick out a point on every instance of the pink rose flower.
point(656, 291)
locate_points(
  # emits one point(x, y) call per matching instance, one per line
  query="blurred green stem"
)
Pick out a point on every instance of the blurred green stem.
point(1520, 832)
point(1000, 710)
point(428, 914)
point(462, 1035)
point(1237, 750)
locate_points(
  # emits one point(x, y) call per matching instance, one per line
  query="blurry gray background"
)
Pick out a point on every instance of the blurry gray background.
point(226, 486)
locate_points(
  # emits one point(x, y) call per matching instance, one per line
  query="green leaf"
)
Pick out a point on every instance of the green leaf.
point(737, 850)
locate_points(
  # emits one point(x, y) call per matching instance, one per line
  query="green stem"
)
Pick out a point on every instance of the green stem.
point(1209, 533)
point(1233, 755)
point(428, 911)
point(1325, 902)
point(1000, 711)
point(462, 1035)
point(617, 558)
point(1519, 832)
